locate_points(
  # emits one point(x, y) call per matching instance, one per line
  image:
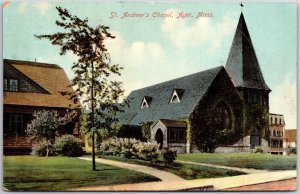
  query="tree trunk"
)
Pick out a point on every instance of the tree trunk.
point(47, 150)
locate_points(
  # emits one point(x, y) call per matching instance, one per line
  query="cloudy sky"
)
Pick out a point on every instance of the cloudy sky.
point(154, 49)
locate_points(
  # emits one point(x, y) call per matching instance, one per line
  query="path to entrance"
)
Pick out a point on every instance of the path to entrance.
point(162, 175)
point(245, 170)
point(171, 182)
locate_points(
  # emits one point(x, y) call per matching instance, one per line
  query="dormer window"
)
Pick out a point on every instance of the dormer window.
point(176, 95)
point(146, 102)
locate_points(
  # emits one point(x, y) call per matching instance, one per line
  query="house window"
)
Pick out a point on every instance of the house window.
point(146, 102)
point(5, 85)
point(223, 116)
point(276, 121)
point(11, 85)
point(176, 95)
point(16, 124)
point(176, 135)
point(280, 121)
point(271, 120)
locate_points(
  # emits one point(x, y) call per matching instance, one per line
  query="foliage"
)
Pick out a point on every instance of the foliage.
point(259, 150)
point(257, 118)
point(44, 127)
point(130, 148)
point(29, 173)
point(209, 126)
point(131, 131)
point(93, 70)
point(291, 150)
point(146, 130)
point(169, 156)
point(68, 145)
point(42, 149)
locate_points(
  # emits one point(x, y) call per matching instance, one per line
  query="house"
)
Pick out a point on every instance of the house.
point(185, 109)
point(290, 138)
point(277, 132)
point(28, 87)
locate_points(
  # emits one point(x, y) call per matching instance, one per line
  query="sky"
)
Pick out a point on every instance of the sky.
point(154, 49)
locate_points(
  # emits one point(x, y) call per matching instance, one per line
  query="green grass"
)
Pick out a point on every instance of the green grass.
point(244, 160)
point(186, 171)
point(29, 173)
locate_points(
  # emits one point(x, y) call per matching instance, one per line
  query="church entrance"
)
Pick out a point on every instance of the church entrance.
point(159, 138)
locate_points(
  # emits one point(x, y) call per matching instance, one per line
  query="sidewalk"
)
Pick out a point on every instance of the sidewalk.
point(245, 170)
point(162, 175)
point(171, 182)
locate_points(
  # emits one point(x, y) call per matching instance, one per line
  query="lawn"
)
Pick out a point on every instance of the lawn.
point(244, 160)
point(186, 171)
point(30, 173)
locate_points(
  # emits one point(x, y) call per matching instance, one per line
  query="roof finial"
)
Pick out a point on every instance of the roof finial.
point(242, 5)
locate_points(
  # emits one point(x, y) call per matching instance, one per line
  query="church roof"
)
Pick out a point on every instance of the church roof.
point(50, 77)
point(195, 86)
point(242, 64)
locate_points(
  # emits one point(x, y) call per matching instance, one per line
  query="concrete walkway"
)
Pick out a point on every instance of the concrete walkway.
point(171, 182)
point(162, 175)
point(245, 170)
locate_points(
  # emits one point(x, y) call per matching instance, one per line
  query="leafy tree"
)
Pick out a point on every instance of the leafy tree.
point(44, 127)
point(92, 70)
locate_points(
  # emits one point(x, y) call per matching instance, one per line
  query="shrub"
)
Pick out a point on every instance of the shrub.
point(291, 150)
point(41, 150)
point(130, 148)
point(169, 156)
point(68, 145)
point(258, 150)
point(44, 127)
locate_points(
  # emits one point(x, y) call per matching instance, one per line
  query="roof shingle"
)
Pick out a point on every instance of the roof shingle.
point(194, 85)
point(49, 76)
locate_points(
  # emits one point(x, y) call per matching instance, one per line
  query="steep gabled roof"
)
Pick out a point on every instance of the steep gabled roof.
point(50, 77)
point(194, 86)
point(242, 64)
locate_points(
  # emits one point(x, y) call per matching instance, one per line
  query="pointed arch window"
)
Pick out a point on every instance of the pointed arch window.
point(176, 96)
point(146, 102)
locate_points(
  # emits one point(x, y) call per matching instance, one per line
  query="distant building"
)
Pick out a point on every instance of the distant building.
point(277, 132)
point(290, 138)
point(28, 87)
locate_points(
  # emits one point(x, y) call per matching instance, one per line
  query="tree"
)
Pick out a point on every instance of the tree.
point(146, 129)
point(92, 70)
point(44, 127)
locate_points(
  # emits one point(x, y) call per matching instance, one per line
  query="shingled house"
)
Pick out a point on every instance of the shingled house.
point(28, 87)
point(226, 93)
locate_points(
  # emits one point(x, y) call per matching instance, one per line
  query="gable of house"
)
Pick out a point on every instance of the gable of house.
point(39, 85)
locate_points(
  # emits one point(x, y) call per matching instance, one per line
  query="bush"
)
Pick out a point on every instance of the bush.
point(68, 145)
point(258, 150)
point(169, 156)
point(291, 150)
point(41, 150)
point(130, 148)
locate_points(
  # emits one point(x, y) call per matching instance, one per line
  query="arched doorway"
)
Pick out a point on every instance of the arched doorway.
point(159, 138)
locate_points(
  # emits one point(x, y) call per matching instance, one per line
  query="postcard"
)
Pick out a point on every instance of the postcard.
point(149, 96)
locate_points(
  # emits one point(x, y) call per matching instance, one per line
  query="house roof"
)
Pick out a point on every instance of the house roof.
point(173, 123)
point(50, 77)
point(242, 64)
point(194, 86)
point(290, 135)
